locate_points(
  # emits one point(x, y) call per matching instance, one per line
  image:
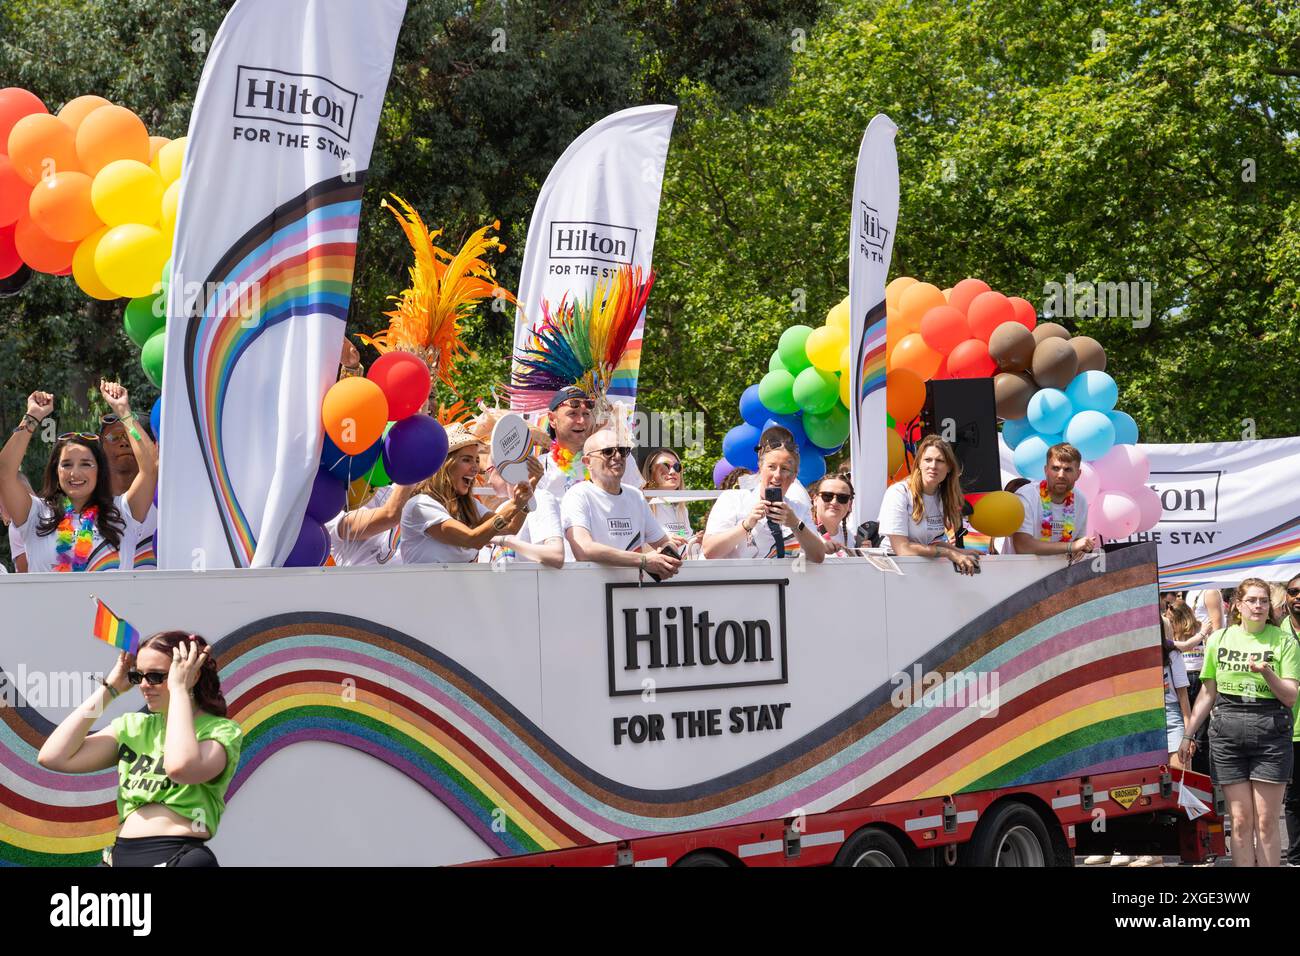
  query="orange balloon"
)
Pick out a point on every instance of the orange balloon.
point(965, 291)
point(915, 356)
point(60, 205)
point(917, 300)
point(13, 193)
point(904, 394)
point(15, 103)
point(111, 133)
point(354, 412)
point(156, 143)
point(76, 110)
point(40, 251)
point(39, 145)
point(894, 290)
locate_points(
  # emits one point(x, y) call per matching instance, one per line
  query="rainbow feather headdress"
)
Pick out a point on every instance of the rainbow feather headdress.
point(580, 344)
point(444, 290)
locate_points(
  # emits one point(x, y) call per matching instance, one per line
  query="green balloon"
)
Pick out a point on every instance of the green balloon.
point(776, 392)
point(377, 477)
point(816, 391)
point(774, 364)
point(889, 420)
point(151, 357)
point(827, 429)
point(140, 320)
point(792, 348)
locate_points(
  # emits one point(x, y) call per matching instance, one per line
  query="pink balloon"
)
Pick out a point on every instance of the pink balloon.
point(1117, 514)
point(1088, 485)
point(1149, 508)
point(1123, 468)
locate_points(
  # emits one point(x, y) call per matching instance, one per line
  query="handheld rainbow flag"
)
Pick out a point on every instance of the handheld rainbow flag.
point(112, 630)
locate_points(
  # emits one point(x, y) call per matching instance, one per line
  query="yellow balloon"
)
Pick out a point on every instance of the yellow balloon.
point(894, 290)
point(824, 346)
point(170, 197)
point(126, 191)
point(998, 514)
point(167, 164)
point(839, 315)
point(129, 258)
point(895, 443)
point(83, 267)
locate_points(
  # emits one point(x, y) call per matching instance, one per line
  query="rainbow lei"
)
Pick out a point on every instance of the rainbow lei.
point(75, 538)
point(1067, 515)
point(568, 462)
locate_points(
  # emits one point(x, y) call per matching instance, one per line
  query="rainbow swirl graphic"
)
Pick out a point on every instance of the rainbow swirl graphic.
point(299, 259)
point(1072, 663)
point(871, 352)
point(1278, 546)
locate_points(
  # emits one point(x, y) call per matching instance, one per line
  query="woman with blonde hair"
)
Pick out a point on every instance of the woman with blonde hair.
point(918, 515)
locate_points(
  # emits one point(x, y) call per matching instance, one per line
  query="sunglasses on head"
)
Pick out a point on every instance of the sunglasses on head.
point(85, 436)
point(153, 677)
point(576, 404)
point(772, 443)
point(608, 454)
point(829, 496)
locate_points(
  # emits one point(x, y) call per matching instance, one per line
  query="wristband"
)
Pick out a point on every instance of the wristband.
point(112, 691)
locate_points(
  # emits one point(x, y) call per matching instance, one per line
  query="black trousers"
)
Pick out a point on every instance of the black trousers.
point(1292, 807)
point(163, 851)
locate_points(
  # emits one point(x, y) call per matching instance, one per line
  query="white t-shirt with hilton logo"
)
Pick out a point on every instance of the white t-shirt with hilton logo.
point(622, 521)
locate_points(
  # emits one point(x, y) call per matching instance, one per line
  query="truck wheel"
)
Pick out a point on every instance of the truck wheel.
point(703, 858)
point(1013, 836)
point(871, 848)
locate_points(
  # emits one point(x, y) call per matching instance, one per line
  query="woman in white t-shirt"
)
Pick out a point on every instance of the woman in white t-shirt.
point(364, 535)
point(919, 513)
point(443, 523)
point(832, 503)
point(664, 473)
point(75, 523)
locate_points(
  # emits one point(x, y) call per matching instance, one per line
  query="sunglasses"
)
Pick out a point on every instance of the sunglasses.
point(1293, 592)
point(777, 443)
point(153, 677)
point(84, 436)
point(108, 419)
point(608, 454)
point(829, 496)
point(576, 404)
point(670, 465)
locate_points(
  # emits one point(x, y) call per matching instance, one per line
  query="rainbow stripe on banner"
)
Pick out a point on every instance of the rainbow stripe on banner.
point(873, 353)
point(1072, 663)
point(622, 384)
point(1280, 545)
point(114, 631)
point(300, 259)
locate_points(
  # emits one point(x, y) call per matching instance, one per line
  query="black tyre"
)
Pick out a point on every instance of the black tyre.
point(871, 847)
point(1012, 835)
point(702, 858)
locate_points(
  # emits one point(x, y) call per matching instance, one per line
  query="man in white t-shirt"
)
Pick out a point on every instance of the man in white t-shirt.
point(1055, 514)
point(608, 522)
point(570, 421)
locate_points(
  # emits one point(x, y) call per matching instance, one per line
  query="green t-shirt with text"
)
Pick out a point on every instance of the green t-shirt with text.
point(1289, 627)
point(1230, 652)
point(141, 778)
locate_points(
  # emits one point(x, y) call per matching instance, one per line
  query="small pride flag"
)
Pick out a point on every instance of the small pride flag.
point(111, 629)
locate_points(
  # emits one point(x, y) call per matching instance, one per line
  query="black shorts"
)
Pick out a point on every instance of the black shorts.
point(163, 851)
point(1251, 742)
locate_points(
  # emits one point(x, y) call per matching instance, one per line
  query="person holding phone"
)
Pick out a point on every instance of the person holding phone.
point(608, 522)
point(760, 521)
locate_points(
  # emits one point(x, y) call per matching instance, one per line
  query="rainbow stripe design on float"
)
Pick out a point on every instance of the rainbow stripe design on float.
point(1277, 546)
point(297, 261)
point(871, 352)
point(1071, 681)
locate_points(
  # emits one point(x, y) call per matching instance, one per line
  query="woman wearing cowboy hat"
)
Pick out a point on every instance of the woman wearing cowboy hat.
point(443, 523)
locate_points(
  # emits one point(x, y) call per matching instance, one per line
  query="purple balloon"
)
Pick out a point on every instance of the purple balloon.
point(329, 496)
point(414, 449)
point(312, 547)
point(720, 472)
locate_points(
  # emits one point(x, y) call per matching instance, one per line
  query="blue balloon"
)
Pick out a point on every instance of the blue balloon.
point(1031, 455)
point(739, 444)
point(348, 468)
point(1091, 432)
point(811, 466)
point(1092, 390)
point(790, 423)
point(155, 418)
point(1126, 429)
point(1049, 410)
point(1016, 430)
point(751, 409)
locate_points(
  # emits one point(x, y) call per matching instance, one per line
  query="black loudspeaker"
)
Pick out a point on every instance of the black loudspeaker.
point(962, 411)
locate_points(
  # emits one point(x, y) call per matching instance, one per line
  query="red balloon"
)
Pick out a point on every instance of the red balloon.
point(15, 103)
point(987, 312)
point(944, 328)
point(971, 359)
point(10, 260)
point(1026, 314)
point(964, 293)
point(404, 380)
point(943, 372)
point(14, 192)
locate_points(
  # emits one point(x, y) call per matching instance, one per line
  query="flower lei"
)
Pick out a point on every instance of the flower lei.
point(1067, 517)
point(568, 462)
point(75, 539)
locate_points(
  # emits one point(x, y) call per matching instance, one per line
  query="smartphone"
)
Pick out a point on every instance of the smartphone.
point(669, 550)
point(772, 494)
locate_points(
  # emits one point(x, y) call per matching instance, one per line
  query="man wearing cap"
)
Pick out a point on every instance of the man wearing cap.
point(608, 522)
point(570, 420)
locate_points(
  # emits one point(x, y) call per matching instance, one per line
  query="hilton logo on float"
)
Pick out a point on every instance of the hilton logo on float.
point(695, 636)
point(594, 241)
point(294, 99)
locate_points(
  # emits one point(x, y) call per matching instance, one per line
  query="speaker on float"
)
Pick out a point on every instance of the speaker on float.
point(963, 412)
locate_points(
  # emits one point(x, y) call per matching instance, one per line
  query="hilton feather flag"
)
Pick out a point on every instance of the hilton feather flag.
point(597, 212)
point(871, 242)
point(279, 142)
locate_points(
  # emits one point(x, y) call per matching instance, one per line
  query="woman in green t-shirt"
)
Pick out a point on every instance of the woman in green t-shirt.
point(175, 760)
point(1249, 680)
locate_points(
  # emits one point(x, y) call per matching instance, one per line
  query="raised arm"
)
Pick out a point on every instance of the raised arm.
point(507, 519)
point(365, 523)
point(68, 749)
point(139, 497)
point(13, 493)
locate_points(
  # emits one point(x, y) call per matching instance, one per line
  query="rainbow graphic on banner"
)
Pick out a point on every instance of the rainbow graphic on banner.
point(1070, 669)
point(1277, 546)
point(299, 262)
point(872, 352)
point(623, 382)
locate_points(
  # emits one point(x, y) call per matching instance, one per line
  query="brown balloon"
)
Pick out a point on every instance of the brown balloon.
point(1092, 357)
point(1012, 346)
point(1050, 330)
point(1012, 391)
point(1055, 363)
